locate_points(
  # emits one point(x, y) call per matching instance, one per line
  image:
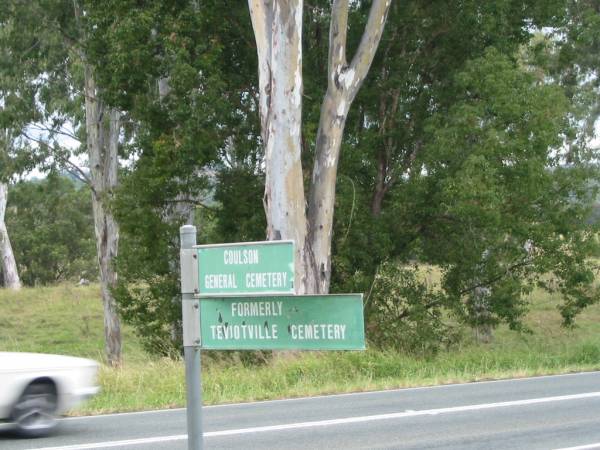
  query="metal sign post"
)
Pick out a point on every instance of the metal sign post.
point(241, 297)
point(190, 308)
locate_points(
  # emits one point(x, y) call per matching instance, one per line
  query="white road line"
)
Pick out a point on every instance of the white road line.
point(346, 394)
point(582, 447)
point(110, 444)
point(331, 422)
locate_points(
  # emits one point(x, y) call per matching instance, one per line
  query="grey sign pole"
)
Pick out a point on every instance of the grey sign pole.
point(190, 309)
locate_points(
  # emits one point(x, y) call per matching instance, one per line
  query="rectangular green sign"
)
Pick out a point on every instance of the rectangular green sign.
point(290, 322)
point(253, 268)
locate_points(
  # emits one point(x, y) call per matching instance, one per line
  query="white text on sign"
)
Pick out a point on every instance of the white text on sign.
point(263, 280)
point(269, 331)
point(240, 257)
point(256, 309)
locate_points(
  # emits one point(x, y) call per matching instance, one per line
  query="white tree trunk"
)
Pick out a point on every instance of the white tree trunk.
point(7, 257)
point(103, 128)
point(344, 81)
point(278, 31)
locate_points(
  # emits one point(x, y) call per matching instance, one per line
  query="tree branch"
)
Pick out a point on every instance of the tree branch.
point(338, 31)
point(428, 306)
point(491, 281)
point(261, 14)
point(359, 67)
point(55, 131)
point(71, 167)
point(191, 201)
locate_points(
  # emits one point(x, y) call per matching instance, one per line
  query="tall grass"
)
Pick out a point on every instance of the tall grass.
point(68, 320)
point(65, 319)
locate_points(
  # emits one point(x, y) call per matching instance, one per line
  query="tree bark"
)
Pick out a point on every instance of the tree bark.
point(384, 176)
point(278, 31)
point(7, 257)
point(344, 81)
point(103, 128)
point(380, 186)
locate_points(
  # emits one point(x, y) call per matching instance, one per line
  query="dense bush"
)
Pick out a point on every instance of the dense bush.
point(404, 311)
point(51, 229)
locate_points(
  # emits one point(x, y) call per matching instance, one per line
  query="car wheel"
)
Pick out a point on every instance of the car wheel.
point(34, 414)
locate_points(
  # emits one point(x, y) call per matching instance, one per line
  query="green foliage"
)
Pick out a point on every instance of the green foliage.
point(148, 286)
point(51, 230)
point(465, 145)
point(40, 41)
point(194, 148)
point(240, 218)
point(463, 150)
point(17, 100)
point(501, 211)
point(574, 60)
point(413, 85)
point(405, 312)
point(461, 139)
point(361, 241)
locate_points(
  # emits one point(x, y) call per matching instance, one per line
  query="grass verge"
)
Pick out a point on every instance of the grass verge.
point(68, 320)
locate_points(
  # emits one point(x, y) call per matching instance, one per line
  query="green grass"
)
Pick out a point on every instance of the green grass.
point(68, 320)
point(65, 319)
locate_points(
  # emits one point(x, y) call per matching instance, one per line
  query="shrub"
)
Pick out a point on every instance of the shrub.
point(404, 312)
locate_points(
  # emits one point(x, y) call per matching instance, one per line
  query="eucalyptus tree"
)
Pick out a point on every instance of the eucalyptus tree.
point(17, 109)
point(573, 52)
point(9, 266)
point(422, 176)
point(10, 165)
point(278, 32)
point(57, 32)
point(185, 75)
point(423, 49)
point(461, 92)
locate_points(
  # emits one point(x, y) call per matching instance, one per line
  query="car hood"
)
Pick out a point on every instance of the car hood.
point(32, 361)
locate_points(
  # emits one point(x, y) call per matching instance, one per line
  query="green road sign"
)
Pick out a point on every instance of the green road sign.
point(290, 322)
point(253, 268)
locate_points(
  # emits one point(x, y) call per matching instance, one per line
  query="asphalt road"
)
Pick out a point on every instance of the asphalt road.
point(560, 412)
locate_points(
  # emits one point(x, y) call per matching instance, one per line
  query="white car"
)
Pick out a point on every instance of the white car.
point(36, 388)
